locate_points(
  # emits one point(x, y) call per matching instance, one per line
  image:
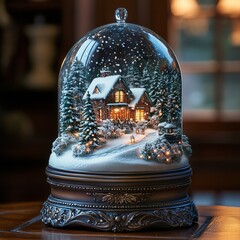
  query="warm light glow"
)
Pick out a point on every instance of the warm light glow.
point(119, 96)
point(185, 8)
point(167, 153)
point(100, 114)
point(76, 135)
point(139, 115)
point(132, 139)
point(235, 35)
point(229, 7)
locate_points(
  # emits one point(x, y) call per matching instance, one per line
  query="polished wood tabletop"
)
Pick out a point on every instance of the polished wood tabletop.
point(23, 221)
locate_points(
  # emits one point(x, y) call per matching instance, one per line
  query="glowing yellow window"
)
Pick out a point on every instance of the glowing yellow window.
point(100, 114)
point(139, 115)
point(119, 96)
point(96, 90)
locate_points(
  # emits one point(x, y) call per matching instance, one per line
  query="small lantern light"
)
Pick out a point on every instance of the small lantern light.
point(169, 127)
point(161, 127)
point(132, 139)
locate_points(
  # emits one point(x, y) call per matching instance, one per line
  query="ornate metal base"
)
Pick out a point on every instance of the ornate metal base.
point(119, 202)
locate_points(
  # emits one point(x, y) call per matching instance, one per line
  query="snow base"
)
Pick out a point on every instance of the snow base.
point(118, 155)
point(124, 162)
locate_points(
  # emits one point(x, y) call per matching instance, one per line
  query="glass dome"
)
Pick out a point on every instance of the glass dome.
point(120, 92)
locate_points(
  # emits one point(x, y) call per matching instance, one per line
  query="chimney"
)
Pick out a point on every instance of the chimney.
point(104, 72)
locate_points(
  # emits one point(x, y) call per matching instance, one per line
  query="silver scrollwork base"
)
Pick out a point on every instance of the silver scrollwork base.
point(65, 213)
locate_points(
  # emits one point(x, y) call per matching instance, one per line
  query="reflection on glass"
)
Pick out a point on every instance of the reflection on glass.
point(196, 40)
point(231, 96)
point(231, 47)
point(198, 91)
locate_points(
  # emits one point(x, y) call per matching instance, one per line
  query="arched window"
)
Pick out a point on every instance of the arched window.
point(119, 96)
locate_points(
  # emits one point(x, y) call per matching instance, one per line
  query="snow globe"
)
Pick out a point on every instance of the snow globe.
point(120, 161)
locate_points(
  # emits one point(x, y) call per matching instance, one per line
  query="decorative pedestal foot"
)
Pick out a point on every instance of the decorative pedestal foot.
point(119, 202)
point(64, 213)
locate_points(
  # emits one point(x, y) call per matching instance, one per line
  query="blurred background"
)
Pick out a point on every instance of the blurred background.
point(35, 36)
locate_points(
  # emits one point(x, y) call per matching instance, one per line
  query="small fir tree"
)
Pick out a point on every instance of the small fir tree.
point(74, 85)
point(161, 104)
point(78, 79)
point(154, 91)
point(133, 76)
point(69, 112)
point(146, 78)
point(89, 129)
point(174, 98)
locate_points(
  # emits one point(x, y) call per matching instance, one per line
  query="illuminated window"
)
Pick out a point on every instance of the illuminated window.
point(139, 115)
point(96, 90)
point(119, 96)
point(100, 114)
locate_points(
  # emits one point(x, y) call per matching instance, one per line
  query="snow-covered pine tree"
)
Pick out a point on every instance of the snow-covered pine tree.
point(89, 129)
point(74, 86)
point(62, 108)
point(78, 77)
point(161, 104)
point(157, 80)
point(174, 98)
point(133, 76)
point(69, 105)
point(136, 77)
point(129, 76)
point(68, 114)
point(146, 78)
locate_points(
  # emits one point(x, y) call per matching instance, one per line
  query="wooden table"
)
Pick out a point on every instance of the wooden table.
point(22, 221)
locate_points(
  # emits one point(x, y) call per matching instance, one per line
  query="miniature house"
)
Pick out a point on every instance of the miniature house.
point(113, 99)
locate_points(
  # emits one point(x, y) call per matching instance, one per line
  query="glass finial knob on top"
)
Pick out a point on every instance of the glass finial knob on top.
point(121, 15)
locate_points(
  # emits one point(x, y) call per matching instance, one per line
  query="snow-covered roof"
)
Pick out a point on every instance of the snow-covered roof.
point(137, 94)
point(104, 84)
point(162, 124)
point(169, 125)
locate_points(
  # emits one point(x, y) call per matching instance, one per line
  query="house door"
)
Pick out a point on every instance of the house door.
point(119, 113)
